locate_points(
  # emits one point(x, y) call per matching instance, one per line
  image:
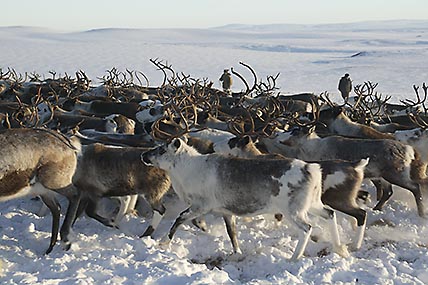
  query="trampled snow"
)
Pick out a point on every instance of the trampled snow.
point(309, 59)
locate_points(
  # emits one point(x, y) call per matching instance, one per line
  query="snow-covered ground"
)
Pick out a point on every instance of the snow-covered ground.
point(310, 59)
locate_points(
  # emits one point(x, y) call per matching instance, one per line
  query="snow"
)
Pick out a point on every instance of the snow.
point(310, 59)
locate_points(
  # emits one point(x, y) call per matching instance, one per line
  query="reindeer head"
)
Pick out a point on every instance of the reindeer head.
point(150, 111)
point(164, 153)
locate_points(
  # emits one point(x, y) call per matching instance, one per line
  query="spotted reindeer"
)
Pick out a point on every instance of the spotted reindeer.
point(244, 187)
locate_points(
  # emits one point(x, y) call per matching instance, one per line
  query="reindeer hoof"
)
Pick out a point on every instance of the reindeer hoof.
point(49, 250)
point(66, 245)
point(293, 259)
point(200, 224)
point(342, 250)
point(148, 232)
point(353, 247)
point(165, 242)
point(236, 256)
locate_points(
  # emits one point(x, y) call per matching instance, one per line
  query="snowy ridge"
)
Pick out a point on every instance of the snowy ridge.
point(309, 60)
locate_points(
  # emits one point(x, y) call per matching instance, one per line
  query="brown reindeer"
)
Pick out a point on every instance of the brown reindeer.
point(39, 162)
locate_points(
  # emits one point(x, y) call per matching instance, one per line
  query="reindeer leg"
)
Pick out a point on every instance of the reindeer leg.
point(379, 188)
point(413, 187)
point(83, 204)
point(386, 194)
point(330, 216)
point(303, 237)
point(230, 221)
point(200, 223)
point(132, 203)
point(73, 197)
point(43, 210)
point(124, 205)
point(361, 216)
point(188, 214)
point(91, 211)
point(418, 199)
point(55, 208)
point(158, 212)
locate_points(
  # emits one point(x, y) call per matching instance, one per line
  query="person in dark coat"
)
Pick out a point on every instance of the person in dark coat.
point(345, 86)
point(226, 79)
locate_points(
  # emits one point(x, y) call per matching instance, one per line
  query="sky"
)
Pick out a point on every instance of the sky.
point(83, 14)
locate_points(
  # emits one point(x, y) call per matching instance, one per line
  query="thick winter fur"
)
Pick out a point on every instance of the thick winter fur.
point(37, 162)
point(244, 187)
point(212, 135)
point(339, 123)
point(341, 181)
point(91, 136)
point(390, 160)
point(389, 127)
point(417, 138)
point(206, 120)
point(105, 171)
point(57, 118)
point(64, 121)
point(102, 108)
point(150, 111)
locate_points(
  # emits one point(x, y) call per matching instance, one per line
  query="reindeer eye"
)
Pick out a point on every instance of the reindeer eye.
point(162, 150)
point(177, 143)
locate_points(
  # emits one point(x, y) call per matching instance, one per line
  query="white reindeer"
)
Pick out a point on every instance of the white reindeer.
point(244, 187)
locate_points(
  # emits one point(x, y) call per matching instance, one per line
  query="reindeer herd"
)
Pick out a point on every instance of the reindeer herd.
point(242, 154)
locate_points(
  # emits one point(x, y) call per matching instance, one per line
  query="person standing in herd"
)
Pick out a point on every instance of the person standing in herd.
point(345, 86)
point(226, 79)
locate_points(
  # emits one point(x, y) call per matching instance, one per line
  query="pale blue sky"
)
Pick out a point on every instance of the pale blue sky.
point(89, 14)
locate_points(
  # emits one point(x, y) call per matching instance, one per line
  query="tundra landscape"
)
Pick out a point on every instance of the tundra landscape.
point(140, 101)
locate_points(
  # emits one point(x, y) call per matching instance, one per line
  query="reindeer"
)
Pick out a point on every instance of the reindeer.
point(102, 108)
point(339, 123)
point(244, 187)
point(390, 160)
point(39, 162)
point(91, 136)
point(105, 171)
point(388, 127)
point(341, 180)
point(55, 117)
point(417, 137)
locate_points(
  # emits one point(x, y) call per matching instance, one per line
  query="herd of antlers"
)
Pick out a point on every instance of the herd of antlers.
point(257, 110)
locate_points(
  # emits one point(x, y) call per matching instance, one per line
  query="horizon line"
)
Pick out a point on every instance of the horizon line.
point(213, 27)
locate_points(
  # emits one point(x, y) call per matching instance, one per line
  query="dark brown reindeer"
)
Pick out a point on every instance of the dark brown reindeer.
point(105, 171)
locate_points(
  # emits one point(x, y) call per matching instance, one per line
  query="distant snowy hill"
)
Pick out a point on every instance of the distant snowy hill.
point(310, 58)
point(395, 25)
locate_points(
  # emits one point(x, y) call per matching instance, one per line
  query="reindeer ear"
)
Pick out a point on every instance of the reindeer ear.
point(176, 143)
point(244, 141)
point(233, 142)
